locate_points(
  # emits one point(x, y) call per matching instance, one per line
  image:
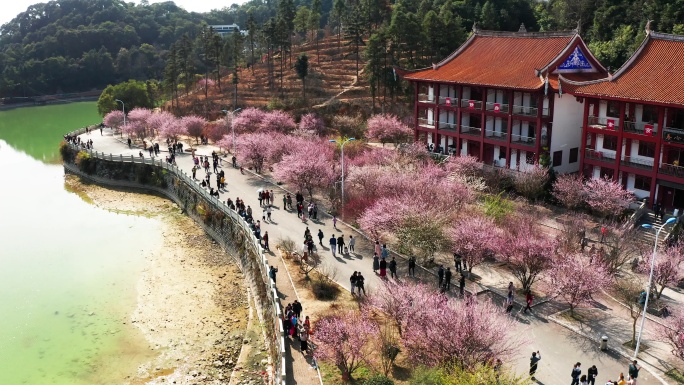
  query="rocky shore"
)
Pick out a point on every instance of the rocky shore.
point(193, 307)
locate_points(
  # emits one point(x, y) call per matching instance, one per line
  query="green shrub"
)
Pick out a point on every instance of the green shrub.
point(378, 380)
point(66, 152)
point(324, 289)
point(85, 162)
point(497, 207)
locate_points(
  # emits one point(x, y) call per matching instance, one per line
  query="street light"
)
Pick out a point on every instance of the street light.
point(342, 155)
point(650, 278)
point(123, 107)
point(232, 116)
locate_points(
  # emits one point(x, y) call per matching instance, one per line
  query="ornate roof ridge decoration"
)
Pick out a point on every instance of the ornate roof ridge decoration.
point(585, 82)
point(666, 36)
point(539, 35)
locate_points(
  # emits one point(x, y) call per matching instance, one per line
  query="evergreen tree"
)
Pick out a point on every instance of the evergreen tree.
point(302, 68)
point(337, 15)
point(354, 31)
point(252, 27)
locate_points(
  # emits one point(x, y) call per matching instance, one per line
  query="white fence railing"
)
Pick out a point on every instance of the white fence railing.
point(279, 372)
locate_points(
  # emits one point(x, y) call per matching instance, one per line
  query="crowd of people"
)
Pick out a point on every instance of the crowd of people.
point(75, 139)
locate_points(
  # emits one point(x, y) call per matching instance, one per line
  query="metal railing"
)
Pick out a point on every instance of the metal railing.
point(524, 140)
point(453, 101)
point(467, 130)
point(447, 126)
point(426, 98)
point(496, 135)
point(430, 123)
point(251, 241)
point(590, 153)
point(637, 162)
point(491, 106)
point(672, 169)
point(639, 128)
point(472, 104)
point(525, 110)
point(602, 122)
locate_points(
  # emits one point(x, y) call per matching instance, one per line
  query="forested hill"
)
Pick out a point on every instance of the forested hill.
point(78, 45)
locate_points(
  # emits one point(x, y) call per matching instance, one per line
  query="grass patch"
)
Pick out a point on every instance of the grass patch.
point(631, 345)
point(332, 376)
point(324, 289)
point(574, 317)
point(675, 375)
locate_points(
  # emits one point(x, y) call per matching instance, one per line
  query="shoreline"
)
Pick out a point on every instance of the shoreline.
point(192, 306)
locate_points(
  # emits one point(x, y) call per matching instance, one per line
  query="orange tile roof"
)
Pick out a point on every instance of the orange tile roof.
point(502, 59)
point(655, 73)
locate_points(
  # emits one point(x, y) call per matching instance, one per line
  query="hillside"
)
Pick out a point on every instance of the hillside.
point(331, 84)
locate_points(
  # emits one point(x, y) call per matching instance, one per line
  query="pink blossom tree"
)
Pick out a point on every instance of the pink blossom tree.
point(606, 197)
point(225, 143)
point(114, 119)
point(673, 332)
point(279, 121)
point(569, 190)
point(531, 181)
point(527, 250)
point(173, 129)
point(438, 331)
point(248, 120)
point(312, 125)
point(472, 237)
point(194, 126)
point(575, 280)
point(216, 130)
point(465, 165)
point(387, 128)
point(204, 84)
point(308, 166)
point(345, 340)
point(138, 122)
point(667, 269)
point(252, 150)
point(158, 121)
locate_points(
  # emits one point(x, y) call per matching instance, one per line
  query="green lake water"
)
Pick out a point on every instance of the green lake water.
point(68, 269)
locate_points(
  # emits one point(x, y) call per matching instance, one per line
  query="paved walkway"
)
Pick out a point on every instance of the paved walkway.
point(560, 347)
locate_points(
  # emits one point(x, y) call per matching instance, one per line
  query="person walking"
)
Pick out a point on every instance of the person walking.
point(129, 142)
point(440, 276)
point(393, 268)
point(333, 245)
point(621, 380)
point(268, 213)
point(604, 231)
point(528, 299)
point(297, 308)
point(575, 374)
point(334, 222)
point(352, 281)
point(383, 268)
point(265, 239)
point(340, 244)
point(583, 380)
point(592, 373)
point(412, 266)
point(352, 243)
point(304, 341)
point(536, 356)
point(461, 284)
point(271, 197)
point(509, 301)
point(261, 198)
point(284, 202)
point(633, 371)
point(376, 263)
point(385, 252)
point(320, 237)
point(272, 273)
point(359, 284)
point(457, 262)
point(447, 279)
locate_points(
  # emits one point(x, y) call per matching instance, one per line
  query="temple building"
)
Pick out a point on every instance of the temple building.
point(498, 98)
point(508, 98)
point(633, 122)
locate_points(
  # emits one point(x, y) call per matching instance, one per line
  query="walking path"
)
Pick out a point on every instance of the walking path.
point(561, 343)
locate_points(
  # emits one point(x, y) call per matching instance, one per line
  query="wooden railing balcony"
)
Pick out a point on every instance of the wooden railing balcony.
point(467, 130)
point(637, 163)
point(428, 123)
point(426, 98)
point(522, 139)
point(590, 153)
point(472, 104)
point(497, 107)
point(496, 135)
point(672, 169)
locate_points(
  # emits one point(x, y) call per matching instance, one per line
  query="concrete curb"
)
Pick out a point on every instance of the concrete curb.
point(553, 318)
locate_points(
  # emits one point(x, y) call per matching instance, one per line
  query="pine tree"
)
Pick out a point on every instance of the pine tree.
point(337, 15)
point(252, 27)
point(354, 31)
point(302, 68)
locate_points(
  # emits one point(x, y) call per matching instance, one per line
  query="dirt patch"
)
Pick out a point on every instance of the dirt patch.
point(192, 304)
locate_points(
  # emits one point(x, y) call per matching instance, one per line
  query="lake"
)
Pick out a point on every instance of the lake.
point(68, 269)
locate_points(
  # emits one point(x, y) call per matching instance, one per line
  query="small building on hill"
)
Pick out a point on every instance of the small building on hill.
point(227, 29)
point(498, 98)
point(633, 121)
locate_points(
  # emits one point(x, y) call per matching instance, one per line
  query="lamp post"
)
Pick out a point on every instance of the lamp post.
point(650, 278)
point(342, 156)
point(123, 108)
point(232, 116)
